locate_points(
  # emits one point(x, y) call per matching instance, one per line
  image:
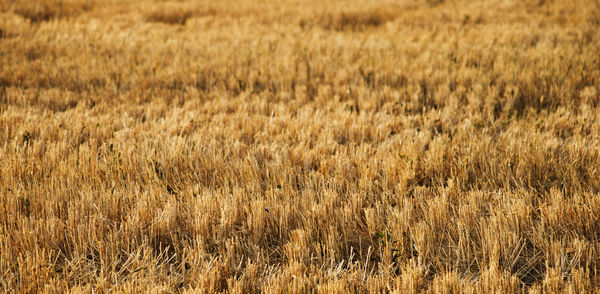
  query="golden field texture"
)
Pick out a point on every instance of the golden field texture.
point(303, 146)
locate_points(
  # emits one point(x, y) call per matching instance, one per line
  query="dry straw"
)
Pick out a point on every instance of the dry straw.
point(251, 146)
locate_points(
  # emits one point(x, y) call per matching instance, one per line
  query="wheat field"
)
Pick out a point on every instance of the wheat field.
point(300, 146)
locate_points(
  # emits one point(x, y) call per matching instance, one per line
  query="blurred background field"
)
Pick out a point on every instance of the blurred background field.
point(303, 146)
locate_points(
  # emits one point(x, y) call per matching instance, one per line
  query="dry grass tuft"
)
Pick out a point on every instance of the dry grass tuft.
point(176, 13)
point(39, 11)
point(352, 20)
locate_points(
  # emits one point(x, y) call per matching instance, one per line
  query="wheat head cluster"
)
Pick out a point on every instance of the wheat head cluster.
point(300, 146)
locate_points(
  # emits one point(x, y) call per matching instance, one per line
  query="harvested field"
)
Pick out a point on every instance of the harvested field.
point(304, 146)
